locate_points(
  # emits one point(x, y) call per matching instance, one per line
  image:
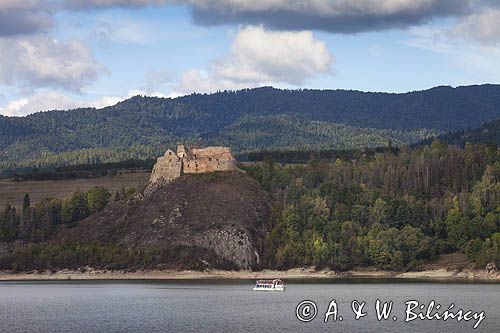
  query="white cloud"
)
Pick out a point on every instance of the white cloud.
point(262, 57)
point(479, 59)
point(258, 56)
point(41, 61)
point(483, 27)
point(41, 101)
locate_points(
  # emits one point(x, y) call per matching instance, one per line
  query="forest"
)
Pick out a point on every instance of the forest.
point(394, 210)
point(247, 120)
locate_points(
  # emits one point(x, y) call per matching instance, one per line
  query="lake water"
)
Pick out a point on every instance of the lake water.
point(232, 306)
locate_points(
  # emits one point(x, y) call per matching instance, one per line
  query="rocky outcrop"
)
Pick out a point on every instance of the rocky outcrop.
point(223, 217)
point(491, 267)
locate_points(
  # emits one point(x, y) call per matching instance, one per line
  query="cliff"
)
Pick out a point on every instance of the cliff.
point(202, 220)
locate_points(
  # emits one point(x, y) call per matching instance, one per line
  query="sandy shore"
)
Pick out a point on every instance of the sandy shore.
point(90, 274)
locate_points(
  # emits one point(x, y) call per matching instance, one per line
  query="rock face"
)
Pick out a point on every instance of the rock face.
point(491, 267)
point(198, 160)
point(223, 214)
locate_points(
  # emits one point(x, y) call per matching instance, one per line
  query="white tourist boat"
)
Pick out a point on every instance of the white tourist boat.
point(269, 285)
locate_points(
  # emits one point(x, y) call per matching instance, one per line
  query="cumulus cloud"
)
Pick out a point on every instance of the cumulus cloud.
point(41, 101)
point(41, 61)
point(260, 57)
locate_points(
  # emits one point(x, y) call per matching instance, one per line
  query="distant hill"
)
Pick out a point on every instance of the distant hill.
point(247, 120)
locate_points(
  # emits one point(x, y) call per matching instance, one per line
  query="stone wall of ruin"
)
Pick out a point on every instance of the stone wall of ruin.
point(209, 159)
point(169, 167)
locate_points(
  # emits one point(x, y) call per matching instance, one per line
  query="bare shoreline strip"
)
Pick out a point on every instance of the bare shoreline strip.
point(430, 275)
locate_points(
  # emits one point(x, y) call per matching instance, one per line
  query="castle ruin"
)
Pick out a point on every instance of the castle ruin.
point(197, 160)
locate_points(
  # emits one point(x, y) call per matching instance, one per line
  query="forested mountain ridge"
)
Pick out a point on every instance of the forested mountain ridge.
point(248, 120)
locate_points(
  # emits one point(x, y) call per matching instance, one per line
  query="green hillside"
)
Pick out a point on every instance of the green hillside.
point(248, 120)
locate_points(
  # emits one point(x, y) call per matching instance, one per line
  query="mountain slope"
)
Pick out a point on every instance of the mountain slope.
point(252, 119)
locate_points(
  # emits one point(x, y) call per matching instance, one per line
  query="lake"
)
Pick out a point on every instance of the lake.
point(232, 306)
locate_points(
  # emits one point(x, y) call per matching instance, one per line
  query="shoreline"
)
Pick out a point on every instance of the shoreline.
point(293, 274)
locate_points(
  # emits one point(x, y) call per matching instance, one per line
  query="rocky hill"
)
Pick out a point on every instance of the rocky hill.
point(205, 220)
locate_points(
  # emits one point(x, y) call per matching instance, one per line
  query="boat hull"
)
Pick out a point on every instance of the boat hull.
point(269, 289)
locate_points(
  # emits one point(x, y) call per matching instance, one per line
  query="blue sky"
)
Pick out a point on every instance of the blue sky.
point(59, 54)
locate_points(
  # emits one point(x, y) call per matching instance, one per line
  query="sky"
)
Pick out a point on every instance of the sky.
point(63, 54)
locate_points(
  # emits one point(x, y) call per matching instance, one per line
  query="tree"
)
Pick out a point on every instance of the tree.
point(320, 252)
point(9, 222)
point(74, 209)
point(455, 225)
point(486, 194)
point(26, 201)
point(97, 198)
point(495, 245)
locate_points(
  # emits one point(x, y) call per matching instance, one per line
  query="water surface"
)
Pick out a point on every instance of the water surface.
point(232, 306)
